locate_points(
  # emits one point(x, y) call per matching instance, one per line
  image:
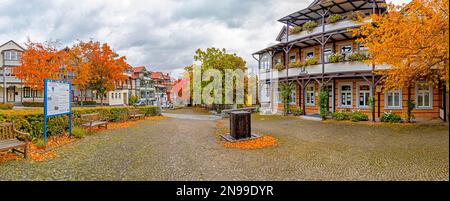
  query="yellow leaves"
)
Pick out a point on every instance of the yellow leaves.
point(412, 39)
point(258, 143)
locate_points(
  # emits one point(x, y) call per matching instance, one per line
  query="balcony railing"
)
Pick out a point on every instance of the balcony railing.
point(339, 67)
point(340, 25)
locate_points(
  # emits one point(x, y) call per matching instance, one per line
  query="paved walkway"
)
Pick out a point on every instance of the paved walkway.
point(186, 149)
point(192, 116)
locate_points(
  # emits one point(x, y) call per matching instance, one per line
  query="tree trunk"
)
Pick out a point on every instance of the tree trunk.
point(81, 97)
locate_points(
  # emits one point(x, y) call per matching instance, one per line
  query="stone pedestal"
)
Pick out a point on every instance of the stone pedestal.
point(240, 125)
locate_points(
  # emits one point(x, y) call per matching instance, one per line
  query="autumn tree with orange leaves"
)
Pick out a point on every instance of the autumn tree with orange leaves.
point(95, 66)
point(105, 67)
point(76, 62)
point(39, 61)
point(413, 40)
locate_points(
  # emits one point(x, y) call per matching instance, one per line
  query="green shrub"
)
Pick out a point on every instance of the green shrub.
point(296, 65)
point(309, 26)
point(356, 16)
point(336, 58)
point(296, 29)
point(133, 100)
point(6, 106)
point(311, 61)
point(323, 103)
point(33, 104)
point(410, 105)
point(334, 18)
point(86, 103)
point(31, 120)
point(298, 112)
point(357, 57)
point(78, 132)
point(279, 66)
point(390, 117)
point(359, 116)
point(341, 115)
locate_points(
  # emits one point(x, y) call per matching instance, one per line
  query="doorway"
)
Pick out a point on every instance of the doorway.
point(330, 102)
point(11, 94)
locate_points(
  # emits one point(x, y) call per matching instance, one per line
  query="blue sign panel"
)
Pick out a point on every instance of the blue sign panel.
point(57, 101)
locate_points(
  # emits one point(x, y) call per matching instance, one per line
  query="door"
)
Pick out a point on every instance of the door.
point(125, 98)
point(330, 102)
point(11, 94)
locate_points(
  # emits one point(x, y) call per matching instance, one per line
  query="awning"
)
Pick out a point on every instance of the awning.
point(312, 13)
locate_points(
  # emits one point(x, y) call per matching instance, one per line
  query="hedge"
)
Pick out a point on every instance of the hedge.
point(33, 104)
point(31, 120)
point(6, 106)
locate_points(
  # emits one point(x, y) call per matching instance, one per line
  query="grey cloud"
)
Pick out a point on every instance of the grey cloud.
point(162, 35)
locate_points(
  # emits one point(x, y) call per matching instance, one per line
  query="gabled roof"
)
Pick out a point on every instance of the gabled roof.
point(156, 75)
point(138, 69)
point(23, 49)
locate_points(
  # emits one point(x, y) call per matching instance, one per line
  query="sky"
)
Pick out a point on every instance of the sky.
point(161, 35)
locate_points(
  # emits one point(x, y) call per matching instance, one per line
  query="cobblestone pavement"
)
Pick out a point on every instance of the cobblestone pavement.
point(183, 149)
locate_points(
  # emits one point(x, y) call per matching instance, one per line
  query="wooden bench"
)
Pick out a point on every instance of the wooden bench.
point(94, 119)
point(135, 114)
point(8, 139)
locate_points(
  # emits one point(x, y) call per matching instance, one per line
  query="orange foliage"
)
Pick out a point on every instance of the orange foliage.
point(39, 61)
point(106, 67)
point(258, 143)
point(412, 39)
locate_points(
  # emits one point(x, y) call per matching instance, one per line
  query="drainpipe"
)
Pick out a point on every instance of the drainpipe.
point(4, 80)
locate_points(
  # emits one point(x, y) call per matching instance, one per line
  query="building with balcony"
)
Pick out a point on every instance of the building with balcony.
point(163, 86)
point(144, 87)
point(12, 89)
point(316, 49)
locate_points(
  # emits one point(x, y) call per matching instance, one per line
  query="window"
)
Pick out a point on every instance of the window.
point(112, 95)
point(264, 63)
point(11, 55)
point(309, 54)
point(362, 48)
point(326, 53)
point(294, 96)
point(309, 94)
point(423, 95)
point(279, 95)
point(119, 95)
point(267, 90)
point(26, 92)
point(393, 99)
point(364, 94)
point(346, 95)
point(346, 50)
point(292, 58)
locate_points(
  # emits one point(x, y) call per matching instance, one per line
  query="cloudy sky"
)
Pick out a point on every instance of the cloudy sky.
point(159, 34)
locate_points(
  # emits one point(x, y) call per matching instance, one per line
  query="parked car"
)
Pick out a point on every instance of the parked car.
point(167, 105)
point(140, 103)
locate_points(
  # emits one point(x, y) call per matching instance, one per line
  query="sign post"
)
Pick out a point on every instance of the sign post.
point(57, 95)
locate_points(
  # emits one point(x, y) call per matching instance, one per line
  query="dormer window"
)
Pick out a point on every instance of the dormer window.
point(11, 55)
